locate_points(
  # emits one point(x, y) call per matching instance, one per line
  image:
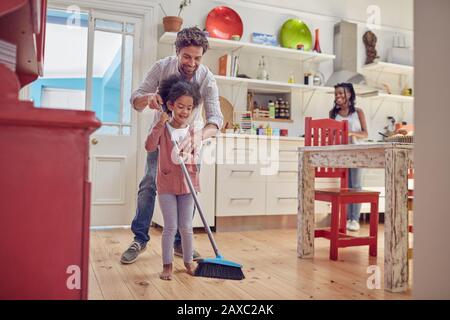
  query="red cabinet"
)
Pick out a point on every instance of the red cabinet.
point(45, 201)
point(44, 188)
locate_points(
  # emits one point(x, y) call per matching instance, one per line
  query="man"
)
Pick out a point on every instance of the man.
point(191, 44)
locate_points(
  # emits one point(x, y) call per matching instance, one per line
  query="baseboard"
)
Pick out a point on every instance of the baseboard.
point(262, 222)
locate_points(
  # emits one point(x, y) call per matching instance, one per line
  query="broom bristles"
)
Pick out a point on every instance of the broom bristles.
point(212, 270)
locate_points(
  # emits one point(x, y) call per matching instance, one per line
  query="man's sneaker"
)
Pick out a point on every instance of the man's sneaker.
point(348, 224)
point(354, 225)
point(178, 251)
point(132, 253)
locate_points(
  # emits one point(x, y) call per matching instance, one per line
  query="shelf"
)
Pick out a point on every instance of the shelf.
point(272, 120)
point(253, 48)
point(270, 86)
point(390, 97)
point(389, 68)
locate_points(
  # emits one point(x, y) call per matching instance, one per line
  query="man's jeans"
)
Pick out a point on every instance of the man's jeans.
point(146, 202)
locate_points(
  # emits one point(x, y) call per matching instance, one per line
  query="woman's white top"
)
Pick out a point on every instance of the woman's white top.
point(353, 125)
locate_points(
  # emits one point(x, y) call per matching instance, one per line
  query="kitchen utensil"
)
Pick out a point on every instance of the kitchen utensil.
point(294, 32)
point(223, 22)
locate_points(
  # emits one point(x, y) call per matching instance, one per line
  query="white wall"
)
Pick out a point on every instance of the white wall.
point(269, 17)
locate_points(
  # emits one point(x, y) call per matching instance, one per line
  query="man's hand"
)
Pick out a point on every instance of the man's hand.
point(152, 100)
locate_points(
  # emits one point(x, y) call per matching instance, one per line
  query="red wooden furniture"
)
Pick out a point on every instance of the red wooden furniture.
point(323, 132)
point(44, 187)
point(410, 197)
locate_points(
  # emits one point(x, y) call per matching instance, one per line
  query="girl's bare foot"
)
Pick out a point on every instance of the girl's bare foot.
point(190, 268)
point(166, 274)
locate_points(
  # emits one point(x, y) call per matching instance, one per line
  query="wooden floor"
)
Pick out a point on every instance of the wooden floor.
point(271, 267)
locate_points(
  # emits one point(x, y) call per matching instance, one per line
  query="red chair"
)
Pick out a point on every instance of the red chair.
point(410, 197)
point(323, 132)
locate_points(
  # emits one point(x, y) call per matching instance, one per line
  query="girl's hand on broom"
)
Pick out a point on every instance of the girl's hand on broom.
point(164, 117)
point(191, 144)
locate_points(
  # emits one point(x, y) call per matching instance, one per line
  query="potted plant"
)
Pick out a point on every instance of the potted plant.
point(173, 23)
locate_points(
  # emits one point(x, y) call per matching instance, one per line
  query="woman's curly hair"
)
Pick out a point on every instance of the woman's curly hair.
point(191, 37)
point(349, 88)
point(173, 87)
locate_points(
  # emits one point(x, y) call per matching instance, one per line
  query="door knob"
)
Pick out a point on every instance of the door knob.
point(94, 141)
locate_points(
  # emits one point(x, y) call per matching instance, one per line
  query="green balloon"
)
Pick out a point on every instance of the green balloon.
point(294, 32)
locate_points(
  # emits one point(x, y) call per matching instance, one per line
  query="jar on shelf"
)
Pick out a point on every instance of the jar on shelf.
point(288, 110)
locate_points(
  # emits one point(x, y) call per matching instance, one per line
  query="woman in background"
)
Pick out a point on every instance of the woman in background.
point(344, 109)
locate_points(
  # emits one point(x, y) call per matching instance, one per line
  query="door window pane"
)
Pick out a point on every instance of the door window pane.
point(65, 61)
point(112, 78)
point(106, 80)
point(108, 25)
point(127, 79)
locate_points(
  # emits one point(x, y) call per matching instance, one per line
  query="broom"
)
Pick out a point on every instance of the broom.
point(216, 267)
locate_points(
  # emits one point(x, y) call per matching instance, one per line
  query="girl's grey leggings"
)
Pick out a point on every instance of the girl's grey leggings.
point(177, 214)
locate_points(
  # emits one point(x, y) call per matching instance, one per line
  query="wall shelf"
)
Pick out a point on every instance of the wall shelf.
point(272, 120)
point(386, 67)
point(270, 86)
point(253, 48)
point(390, 97)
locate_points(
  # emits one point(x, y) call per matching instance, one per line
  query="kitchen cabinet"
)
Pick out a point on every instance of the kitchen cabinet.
point(44, 186)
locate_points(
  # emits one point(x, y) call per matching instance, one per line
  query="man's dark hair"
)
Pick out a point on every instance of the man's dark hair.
point(173, 87)
point(191, 37)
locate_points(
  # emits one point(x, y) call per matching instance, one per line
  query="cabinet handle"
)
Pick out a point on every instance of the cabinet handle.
point(287, 171)
point(242, 171)
point(94, 141)
point(242, 149)
point(241, 199)
point(288, 150)
point(287, 198)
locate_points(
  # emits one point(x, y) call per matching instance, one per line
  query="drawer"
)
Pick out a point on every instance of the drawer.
point(284, 172)
point(240, 199)
point(236, 150)
point(288, 155)
point(281, 198)
point(239, 173)
point(289, 150)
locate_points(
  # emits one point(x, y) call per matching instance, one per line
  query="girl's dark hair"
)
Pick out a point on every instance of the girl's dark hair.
point(173, 87)
point(347, 87)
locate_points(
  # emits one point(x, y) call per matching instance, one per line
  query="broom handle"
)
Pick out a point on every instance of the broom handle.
point(194, 195)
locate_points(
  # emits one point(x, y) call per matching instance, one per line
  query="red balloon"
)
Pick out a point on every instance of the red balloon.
point(223, 22)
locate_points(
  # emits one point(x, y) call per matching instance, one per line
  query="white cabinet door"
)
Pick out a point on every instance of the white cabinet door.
point(242, 173)
point(281, 198)
point(240, 199)
point(286, 172)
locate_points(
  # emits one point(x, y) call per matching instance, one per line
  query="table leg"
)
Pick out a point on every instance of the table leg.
point(396, 221)
point(305, 215)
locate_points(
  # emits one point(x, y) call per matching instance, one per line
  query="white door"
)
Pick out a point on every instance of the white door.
point(112, 72)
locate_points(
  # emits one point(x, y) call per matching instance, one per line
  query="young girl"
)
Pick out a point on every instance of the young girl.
point(344, 109)
point(180, 97)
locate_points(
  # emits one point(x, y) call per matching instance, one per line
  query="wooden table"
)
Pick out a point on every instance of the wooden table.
point(396, 158)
